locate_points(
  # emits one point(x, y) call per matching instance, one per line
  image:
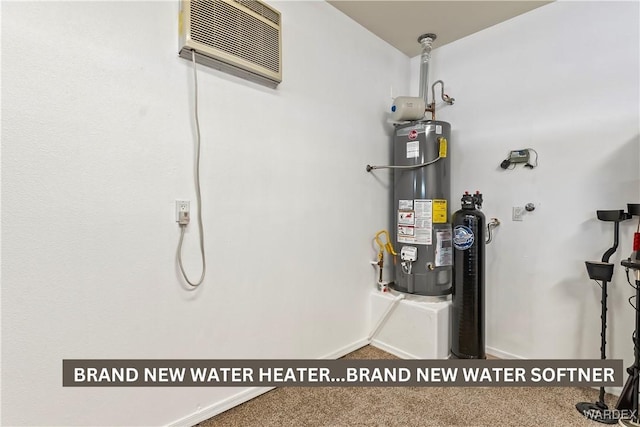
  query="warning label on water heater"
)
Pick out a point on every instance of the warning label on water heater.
point(439, 211)
point(424, 221)
point(405, 205)
point(406, 225)
point(406, 218)
point(415, 225)
point(444, 251)
point(413, 149)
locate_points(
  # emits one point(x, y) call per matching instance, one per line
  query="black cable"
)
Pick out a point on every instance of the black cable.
point(629, 280)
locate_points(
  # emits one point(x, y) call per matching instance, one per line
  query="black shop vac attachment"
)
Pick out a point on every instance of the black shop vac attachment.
point(603, 271)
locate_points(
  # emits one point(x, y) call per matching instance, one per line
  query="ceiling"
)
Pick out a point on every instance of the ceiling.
point(400, 23)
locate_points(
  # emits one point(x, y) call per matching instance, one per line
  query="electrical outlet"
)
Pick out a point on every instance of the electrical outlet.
point(182, 211)
point(517, 212)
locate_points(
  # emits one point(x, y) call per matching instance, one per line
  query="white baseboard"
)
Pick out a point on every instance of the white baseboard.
point(346, 349)
point(252, 392)
point(393, 350)
point(502, 354)
point(219, 407)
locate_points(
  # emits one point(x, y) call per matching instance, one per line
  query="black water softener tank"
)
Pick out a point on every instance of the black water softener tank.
point(467, 329)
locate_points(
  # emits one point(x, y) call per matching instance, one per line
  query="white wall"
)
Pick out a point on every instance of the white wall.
point(562, 79)
point(97, 143)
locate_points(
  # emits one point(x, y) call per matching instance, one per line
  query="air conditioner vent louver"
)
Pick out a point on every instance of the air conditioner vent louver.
point(222, 26)
point(238, 36)
point(261, 10)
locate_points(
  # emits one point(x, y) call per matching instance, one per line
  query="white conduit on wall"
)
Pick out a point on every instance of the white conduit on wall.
point(384, 317)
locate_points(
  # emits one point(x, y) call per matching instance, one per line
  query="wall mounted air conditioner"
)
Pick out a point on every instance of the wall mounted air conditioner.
point(240, 37)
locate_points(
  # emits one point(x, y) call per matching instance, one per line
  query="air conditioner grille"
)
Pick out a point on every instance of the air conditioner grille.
point(261, 10)
point(222, 26)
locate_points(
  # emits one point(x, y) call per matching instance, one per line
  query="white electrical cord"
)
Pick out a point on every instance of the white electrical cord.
point(198, 194)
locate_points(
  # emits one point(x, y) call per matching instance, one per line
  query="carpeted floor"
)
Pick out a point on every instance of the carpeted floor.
point(409, 406)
